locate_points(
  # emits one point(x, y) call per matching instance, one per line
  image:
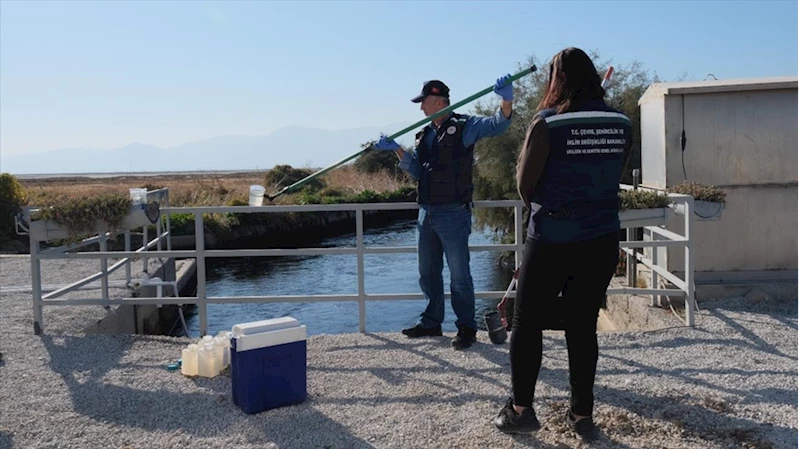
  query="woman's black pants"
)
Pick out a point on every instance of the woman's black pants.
point(581, 271)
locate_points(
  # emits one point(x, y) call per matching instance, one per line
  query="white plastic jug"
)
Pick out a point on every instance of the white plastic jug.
point(219, 348)
point(190, 361)
point(207, 360)
point(222, 342)
point(257, 195)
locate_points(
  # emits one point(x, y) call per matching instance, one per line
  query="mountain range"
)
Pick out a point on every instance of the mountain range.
point(297, 146)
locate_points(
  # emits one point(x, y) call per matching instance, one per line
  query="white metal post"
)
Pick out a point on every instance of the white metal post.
point(654, 275)
point(158, 231)
point(127, 259)
point(689, 261)
point(104, 266)
point(145, 240)
point(168, 224)
point(361, 283)
point(199, 242)
point(36, 286)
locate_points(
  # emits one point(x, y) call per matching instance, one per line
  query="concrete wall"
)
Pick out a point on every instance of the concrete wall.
point(742, 137)
point(147, 319)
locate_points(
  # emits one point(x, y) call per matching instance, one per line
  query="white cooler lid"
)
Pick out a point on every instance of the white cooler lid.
point(270, 338)
point(256, 327)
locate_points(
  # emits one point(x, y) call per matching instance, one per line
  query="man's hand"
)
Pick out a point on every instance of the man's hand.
point(504, 88)
point(386, 144)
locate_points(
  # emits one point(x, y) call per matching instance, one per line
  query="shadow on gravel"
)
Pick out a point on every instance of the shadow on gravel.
point(705, 418)
point(688, 375)
point(754, 340)
point(84, 362)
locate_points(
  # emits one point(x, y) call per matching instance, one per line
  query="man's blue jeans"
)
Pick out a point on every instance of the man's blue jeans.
point(444, 230)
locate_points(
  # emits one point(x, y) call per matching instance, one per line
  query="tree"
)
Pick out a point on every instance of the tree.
point(495, 157)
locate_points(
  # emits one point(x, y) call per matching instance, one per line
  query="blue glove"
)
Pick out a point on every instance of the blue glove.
point(504, 88)
point(386, 144)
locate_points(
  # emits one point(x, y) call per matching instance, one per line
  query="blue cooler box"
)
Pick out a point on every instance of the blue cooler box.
point(268, 364)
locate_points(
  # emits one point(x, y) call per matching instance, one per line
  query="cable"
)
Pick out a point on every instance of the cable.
point(683, 140)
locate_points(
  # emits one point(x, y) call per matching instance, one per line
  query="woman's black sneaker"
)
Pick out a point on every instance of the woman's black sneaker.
point(585, 427)
point(509, 421)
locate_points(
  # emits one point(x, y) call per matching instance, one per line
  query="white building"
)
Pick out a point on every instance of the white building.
point(740, 135)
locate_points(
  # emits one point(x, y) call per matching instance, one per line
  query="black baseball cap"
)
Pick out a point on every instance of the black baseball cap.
point(432, 87)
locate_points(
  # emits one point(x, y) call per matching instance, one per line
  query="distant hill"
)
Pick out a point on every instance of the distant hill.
point(295, 145)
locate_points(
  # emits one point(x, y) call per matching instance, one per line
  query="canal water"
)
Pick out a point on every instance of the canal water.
point(333, 274)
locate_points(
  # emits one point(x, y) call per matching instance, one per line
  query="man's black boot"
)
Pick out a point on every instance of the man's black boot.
point(420, 331)
point(509, 421)
point(465, 338)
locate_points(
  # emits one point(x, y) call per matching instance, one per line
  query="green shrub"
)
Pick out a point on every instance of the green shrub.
point(367, 196)
point(643, 199)
point(329, 191)
point(373, 161)
point(12, 198)
point(308, 198)
point(401, 195)
point(281, 176)
point(700, 192)
point(243, 218)
point(80, 215)
point(181, 224)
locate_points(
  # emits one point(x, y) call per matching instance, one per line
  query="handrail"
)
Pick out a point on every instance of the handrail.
point(665, 239)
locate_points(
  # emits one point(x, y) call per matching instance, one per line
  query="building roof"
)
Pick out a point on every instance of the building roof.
point(718, 86)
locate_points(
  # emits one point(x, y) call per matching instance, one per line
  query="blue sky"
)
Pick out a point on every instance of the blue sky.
point(106, 74)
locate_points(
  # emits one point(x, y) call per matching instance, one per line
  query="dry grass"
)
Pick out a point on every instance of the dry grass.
point(201, 189)
point(349, 180)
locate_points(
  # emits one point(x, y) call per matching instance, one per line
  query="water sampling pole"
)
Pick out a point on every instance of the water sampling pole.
point(424, 121)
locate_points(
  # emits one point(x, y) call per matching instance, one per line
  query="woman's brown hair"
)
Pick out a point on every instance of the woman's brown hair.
point(573, 80)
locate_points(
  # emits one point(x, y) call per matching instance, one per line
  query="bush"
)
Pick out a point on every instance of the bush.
point(285, 175)
point(700, 192)
point(331, 196)
point(374, 161)
point(79, 215)
point(12, 198)
point(643, 199)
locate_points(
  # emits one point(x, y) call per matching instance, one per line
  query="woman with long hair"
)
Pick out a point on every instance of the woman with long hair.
point(568, 176)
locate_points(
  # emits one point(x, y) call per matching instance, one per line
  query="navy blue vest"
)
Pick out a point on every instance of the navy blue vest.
point(446, 175)
point(579, 187)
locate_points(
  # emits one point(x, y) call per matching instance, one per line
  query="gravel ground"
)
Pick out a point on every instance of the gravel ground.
point(730, 382)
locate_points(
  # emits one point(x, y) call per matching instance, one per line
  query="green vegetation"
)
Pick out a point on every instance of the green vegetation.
point(377, 161)
point(281, 176)
point(642, 199)
point(700, 192)
point(12, 197)
point(80, 216)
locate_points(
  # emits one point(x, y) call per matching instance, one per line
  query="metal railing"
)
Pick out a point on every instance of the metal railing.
point(37, 254)
point(652, 222)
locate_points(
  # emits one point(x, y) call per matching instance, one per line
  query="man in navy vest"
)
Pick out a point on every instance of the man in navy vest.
point(442, 166)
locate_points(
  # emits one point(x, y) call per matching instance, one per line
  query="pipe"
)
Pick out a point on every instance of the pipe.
point(424, 121)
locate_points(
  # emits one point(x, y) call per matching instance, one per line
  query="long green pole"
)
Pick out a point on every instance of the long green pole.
point(424, 121)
